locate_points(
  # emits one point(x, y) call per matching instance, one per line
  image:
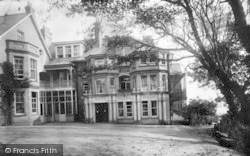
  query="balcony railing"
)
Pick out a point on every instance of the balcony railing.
point(24, 46)
point(56, 83)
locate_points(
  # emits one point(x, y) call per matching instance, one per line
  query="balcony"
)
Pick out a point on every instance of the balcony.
point(57, 83)
point(178, 95)
point(23, 46)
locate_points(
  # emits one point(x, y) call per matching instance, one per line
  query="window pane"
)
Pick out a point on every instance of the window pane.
point(60, 52)
point(129, 109)
point(144, 108)
point(33, 69)
point(153, 84)
point(34, 102)
point(19, 102)
point(100, 86)
point(76, 50)
point(62, 108)
point(120, 109)
point(154, 108)
point(144, 82)
point(68, 51)
point(18, 67)
point(68, 108)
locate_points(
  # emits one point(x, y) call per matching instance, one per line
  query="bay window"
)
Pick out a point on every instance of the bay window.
point(19, 67)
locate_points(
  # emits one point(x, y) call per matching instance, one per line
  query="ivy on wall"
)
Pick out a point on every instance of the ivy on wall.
point(9, 85)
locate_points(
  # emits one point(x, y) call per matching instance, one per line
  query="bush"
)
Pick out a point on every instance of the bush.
point(200, 111)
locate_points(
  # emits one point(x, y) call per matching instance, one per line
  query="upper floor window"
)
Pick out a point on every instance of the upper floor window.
point(164, 82)
point(144, 61)
point(112, 82)
point(144, 82)
point(152, 59)
point(60, 52)
point(33, 69)
point(18, 67)
point(19, 103)
point(100, 84)
point(76, 50)
point(124, 82)
point(20, 35)
point(153, 82)
point(68, 51)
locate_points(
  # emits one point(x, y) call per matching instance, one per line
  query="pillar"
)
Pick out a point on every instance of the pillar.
point(90, 112)
point(110, 111)
point(160, 109)
point(139, 110)
point(86, 111)
point(114, 111)
point(134, 111)
point(168, 113)
point(93, 112)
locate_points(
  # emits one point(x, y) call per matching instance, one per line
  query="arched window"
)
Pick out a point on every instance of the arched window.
point(124, 82)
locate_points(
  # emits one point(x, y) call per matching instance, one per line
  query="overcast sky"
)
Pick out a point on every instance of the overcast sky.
point(65, 29)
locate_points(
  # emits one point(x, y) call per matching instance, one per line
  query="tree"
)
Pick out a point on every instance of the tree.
point(9, 85)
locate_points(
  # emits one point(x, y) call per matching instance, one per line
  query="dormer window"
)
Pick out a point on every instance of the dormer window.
point(20, 35)
point(68, 51)
point(76, 50)
point(59, 52)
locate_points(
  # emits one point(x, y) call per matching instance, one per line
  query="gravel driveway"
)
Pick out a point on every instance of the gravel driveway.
point(116, 139)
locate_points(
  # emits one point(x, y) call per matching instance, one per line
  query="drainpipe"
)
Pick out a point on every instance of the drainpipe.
point(169, 87)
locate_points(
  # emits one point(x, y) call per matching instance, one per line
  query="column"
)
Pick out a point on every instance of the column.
point(134, 110)
point(168, 115)
point(90, 112)
point(86, 110)
point(110, 111)
point(164, 107)
point(160, 109)
point(139, 110)
point(114, 111)
point(72, 102)
point(93, 112)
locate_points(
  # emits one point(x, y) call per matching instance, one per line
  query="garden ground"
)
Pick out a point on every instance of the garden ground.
point(116, 139)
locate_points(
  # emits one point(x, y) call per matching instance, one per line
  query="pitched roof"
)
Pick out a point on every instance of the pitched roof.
point(9, 21)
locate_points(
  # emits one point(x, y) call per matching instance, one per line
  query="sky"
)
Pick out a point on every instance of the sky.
point(65, 28)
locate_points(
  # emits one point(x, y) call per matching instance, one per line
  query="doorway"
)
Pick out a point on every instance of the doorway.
point(101, 110)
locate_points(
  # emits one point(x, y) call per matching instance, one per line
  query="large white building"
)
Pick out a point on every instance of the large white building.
point(61, 91)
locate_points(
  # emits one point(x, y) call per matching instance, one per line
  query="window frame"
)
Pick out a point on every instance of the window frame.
point(153, 83)
point(33, 69)
point(59, 55)
point(101, 85)
point(20, 35)
point(34, 102)
point(144, 87)
point(20, 58)
point(123, 107)
point(76, 51)
point(68, 51)
point(149, 109)
point(20, 102)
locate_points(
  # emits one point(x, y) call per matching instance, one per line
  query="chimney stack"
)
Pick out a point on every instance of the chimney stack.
point(29, 8)
point(47, 35)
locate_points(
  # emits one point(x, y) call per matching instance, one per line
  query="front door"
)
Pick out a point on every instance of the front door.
point(101, 110)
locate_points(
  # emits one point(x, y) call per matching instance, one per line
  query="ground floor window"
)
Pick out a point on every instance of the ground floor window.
point(125, 109)
point(19, 103)
point(61, 101)
point(34, 102)
point(149, 108)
